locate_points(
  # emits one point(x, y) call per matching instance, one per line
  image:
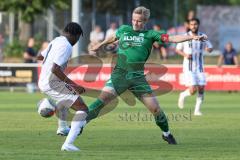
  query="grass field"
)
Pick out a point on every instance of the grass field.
point(125, 133)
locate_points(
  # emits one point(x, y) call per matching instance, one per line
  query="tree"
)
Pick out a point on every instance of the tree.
point(27, 10)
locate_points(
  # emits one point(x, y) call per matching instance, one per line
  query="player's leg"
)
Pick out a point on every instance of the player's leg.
point(141, 89)
point(200, 97)
point(58, 98)
point(190, 82)
point(62, 113)
point(113, 87)
point(199, 101)
point(96, 108)
point(78, 122)
point(65, 96)
point(150, 101)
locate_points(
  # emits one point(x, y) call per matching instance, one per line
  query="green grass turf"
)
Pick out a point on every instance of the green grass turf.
point(24, 135)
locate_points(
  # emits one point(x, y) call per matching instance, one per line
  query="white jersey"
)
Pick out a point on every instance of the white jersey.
point(59, 51)
point(194, 48)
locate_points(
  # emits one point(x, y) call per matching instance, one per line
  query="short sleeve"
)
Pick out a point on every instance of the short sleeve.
point(30, 51)
point(208, 44)
point(63, 55)
point(161, 37)
point(179, 46)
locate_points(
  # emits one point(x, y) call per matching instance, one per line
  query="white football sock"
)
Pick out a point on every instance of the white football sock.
point(76, 124)
point(62, 117)
point(199, 101)
point(62, 124)
point(166, 134)
point(185, 93)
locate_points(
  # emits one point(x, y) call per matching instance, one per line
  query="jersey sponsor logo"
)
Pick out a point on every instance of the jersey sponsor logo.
point(138, 39)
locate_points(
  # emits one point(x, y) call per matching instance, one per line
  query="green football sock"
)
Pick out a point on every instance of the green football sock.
point(94, 109)
point(161, 121)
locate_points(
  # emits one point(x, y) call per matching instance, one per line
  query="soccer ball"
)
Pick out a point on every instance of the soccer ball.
point(46, 108)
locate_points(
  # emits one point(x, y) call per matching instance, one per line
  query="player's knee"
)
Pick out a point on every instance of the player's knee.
point(155, 110)
point(106, 97)
point(201, 90)
point(79, 105)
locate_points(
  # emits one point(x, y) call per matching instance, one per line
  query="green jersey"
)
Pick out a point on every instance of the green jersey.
point(135, 46)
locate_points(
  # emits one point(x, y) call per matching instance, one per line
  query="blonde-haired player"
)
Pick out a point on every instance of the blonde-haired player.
point(135, 43)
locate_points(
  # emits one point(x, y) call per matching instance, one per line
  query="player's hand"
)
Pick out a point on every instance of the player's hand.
point(80, 89)
point(188, 56)
point(200, 38)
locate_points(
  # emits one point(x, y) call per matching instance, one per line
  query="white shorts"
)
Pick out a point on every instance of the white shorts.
point(63, 94)
point(194, 79)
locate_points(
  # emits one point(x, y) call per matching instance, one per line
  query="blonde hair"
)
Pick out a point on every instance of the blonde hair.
point(143, 11)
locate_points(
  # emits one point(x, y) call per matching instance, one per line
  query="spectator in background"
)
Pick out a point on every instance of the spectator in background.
point(44, 45)
point(181, 29)
point(96, 36)
point(228, 56)
point(191, 15)
point(112, 30)
point(111, 48)
point(30, 54)
point(159, 48)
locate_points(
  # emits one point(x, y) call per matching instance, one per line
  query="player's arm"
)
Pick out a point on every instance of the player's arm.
point(209, 49)
point(108, 40)
point(209, 46)
point(180, 52)
point(61, 58)
point(183, 38)
point(56, 69)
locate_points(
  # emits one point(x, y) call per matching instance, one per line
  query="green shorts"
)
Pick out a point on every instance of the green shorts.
point(135, 82)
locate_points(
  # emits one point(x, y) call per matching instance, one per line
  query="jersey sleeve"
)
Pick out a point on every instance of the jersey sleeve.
point(63, 55)
point(161, 37)
point(179, 46)
point(208, 44)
